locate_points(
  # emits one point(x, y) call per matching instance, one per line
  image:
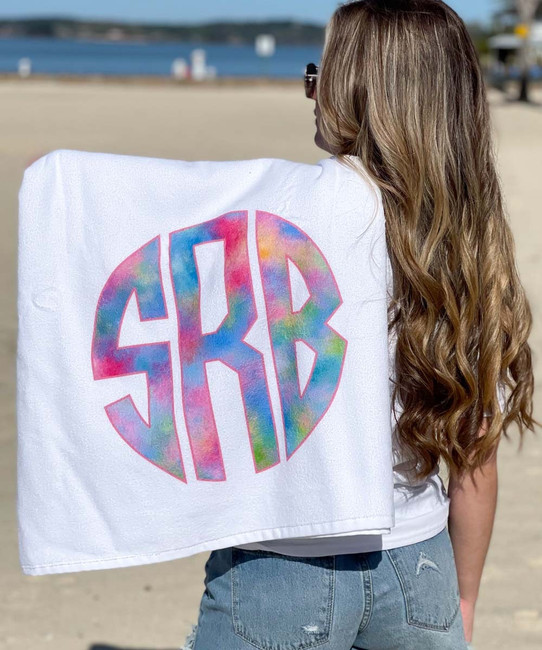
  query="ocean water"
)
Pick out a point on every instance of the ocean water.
point(54, 56)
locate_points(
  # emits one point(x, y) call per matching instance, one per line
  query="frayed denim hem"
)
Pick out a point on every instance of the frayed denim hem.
point(190, 639)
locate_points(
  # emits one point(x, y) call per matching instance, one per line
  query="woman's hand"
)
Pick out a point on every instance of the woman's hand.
point(467, 613)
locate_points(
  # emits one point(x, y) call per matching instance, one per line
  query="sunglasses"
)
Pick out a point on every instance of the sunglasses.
point(311, 76)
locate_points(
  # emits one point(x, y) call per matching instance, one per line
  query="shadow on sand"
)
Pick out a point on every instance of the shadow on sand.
point(105, 646)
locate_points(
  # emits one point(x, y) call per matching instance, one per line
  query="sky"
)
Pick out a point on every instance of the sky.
point(186, 11)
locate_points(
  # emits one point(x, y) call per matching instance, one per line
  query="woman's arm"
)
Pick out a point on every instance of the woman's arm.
point(473, 502)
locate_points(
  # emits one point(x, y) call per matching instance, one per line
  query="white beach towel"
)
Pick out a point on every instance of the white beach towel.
point(202, 358)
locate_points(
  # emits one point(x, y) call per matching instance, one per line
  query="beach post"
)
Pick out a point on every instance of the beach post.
point(179, 69)
point(24, 67)
point(265, 45)
point(199, 66)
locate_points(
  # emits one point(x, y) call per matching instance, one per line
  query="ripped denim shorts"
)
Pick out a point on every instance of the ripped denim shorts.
point(405, 597)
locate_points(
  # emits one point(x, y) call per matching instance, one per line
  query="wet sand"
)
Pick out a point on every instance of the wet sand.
point(153, 606)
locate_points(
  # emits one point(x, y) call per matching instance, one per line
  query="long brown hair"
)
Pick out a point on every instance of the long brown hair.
point(401, 90)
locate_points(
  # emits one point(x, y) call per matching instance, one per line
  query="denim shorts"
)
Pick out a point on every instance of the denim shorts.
point(405, 598)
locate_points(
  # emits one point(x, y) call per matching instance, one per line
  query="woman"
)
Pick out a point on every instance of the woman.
point(400, 96)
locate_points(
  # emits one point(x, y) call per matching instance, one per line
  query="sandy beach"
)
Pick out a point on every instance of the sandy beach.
point(152, 607)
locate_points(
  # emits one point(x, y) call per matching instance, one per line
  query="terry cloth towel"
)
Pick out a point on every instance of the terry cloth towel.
point(202, 358)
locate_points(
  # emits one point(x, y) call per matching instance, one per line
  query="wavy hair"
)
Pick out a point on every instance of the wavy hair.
point(401, 90)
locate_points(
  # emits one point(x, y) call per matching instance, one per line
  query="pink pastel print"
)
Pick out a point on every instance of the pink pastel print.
point(156, 440)
point(279, 241)
point(225, 344)
point(282, 248)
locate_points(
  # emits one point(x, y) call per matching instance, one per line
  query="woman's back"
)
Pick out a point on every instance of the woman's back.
point(400, 96)
point(421, 507)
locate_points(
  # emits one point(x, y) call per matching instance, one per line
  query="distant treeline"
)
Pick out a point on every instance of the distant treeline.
point(286, 32)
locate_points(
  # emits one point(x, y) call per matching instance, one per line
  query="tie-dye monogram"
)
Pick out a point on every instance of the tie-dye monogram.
point(278, 240)
point(278, 243)
point(156, 440)
point(225, 344)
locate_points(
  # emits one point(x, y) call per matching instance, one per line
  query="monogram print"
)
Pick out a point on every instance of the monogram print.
point(280, 245)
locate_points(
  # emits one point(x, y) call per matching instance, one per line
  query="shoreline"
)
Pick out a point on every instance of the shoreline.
point(157, 80)
point(224, 81)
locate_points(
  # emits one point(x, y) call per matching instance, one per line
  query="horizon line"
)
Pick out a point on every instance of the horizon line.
point(201, 23)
